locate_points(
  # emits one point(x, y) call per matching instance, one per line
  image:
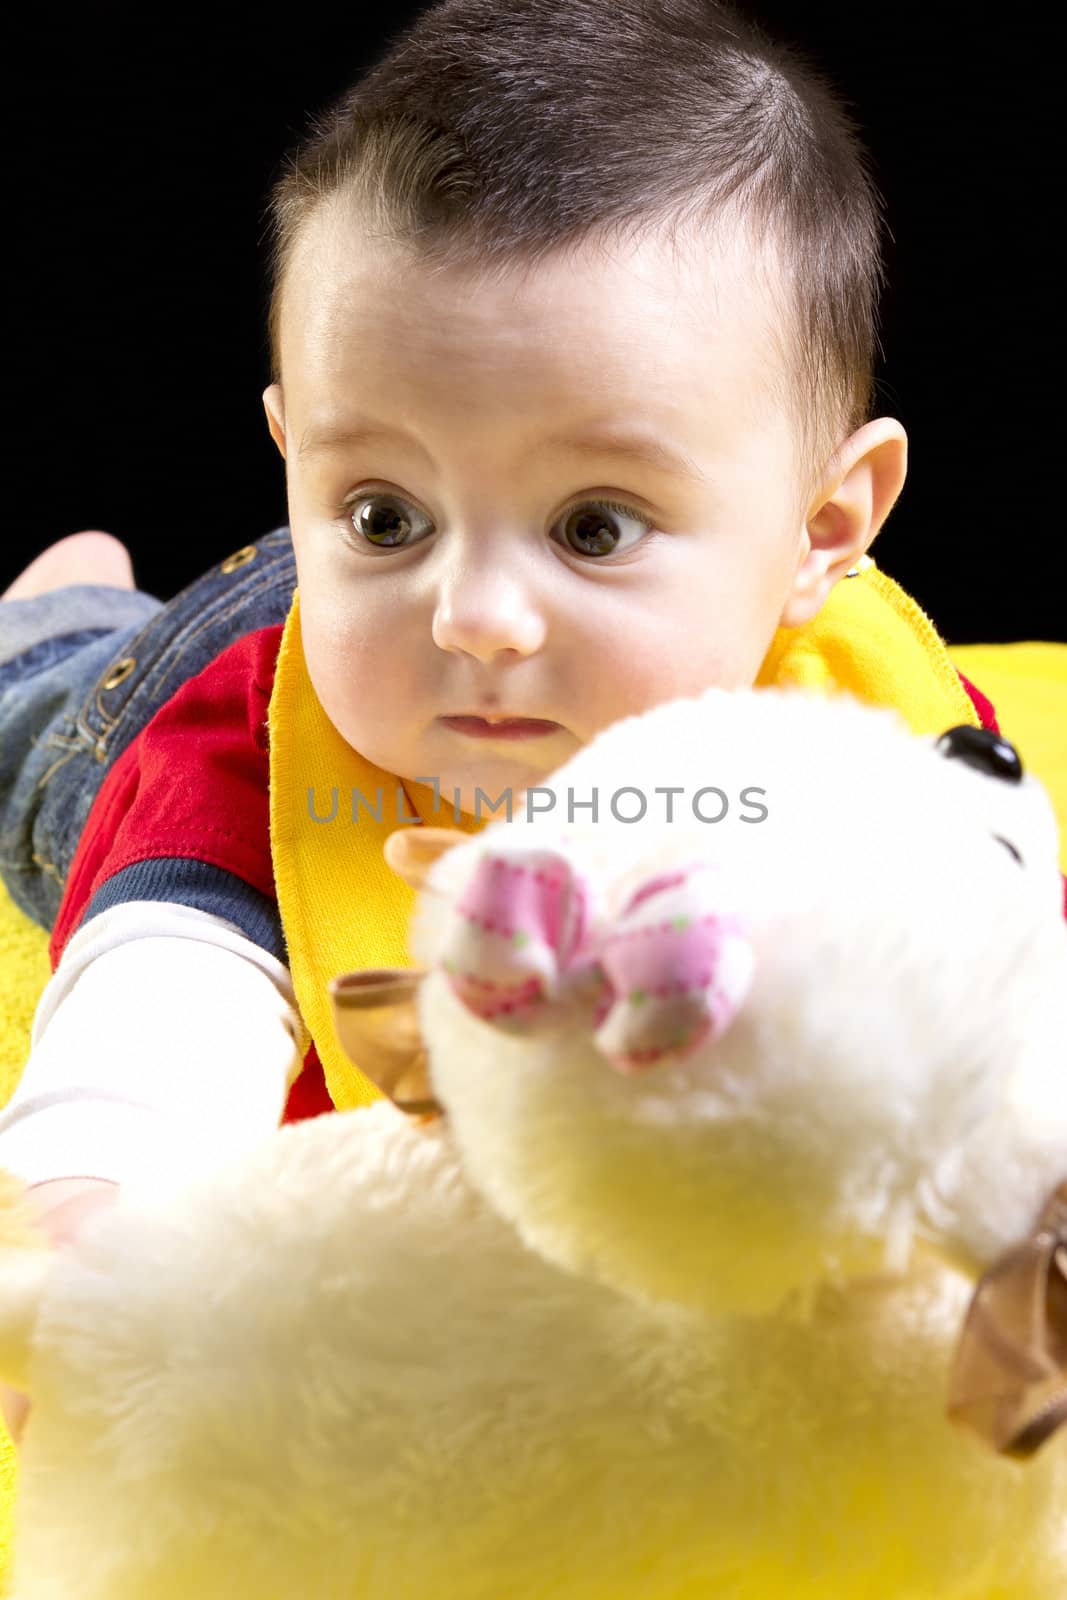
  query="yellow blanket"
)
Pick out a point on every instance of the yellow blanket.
point(1027, 683)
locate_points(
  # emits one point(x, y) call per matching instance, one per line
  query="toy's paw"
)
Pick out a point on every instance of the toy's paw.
point(663, 979)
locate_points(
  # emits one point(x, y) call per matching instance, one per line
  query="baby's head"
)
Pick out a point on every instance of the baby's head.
point(572, 328)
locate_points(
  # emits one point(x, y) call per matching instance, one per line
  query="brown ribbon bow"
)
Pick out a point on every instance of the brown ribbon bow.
point(1009, 1377)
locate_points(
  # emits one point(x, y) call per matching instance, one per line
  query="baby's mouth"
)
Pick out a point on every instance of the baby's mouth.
point(501, 727)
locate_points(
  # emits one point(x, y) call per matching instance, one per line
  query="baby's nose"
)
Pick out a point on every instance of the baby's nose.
point(487, 610)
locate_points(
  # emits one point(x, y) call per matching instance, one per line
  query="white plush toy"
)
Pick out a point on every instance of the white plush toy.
point(663, 1283)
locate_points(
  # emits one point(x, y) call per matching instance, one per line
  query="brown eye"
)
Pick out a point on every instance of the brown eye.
point(593, 533)
point(380, 520)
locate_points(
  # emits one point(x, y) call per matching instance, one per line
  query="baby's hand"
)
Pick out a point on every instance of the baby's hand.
point(61, 1206)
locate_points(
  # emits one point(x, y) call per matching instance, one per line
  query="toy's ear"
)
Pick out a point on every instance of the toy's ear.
point(376, 1018)
point(411, 852)
point(25, 1262)
point(1009, 1377)
point(375, 1012)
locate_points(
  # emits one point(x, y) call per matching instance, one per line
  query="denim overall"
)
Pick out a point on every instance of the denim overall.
point(82, 670)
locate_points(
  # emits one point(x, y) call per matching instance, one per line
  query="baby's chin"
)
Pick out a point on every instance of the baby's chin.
point(491, 793)
point(485, 786)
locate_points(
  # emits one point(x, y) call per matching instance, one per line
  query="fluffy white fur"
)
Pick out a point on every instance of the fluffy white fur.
point(682, 1333)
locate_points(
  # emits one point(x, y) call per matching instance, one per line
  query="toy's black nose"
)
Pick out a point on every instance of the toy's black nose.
point(984, 750)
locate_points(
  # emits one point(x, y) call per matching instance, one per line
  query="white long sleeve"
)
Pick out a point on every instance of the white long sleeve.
point(163, 1045)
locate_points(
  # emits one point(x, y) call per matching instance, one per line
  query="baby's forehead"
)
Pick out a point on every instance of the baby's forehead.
point(663, 298)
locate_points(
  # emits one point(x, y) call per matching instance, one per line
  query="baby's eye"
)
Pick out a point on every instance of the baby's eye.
point(377, 521)
point(594, 531)
point(381, 520)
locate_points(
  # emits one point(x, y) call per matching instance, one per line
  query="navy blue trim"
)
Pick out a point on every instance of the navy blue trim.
point(199, 884)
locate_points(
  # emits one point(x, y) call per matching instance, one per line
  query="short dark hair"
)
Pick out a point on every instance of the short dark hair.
point(491, 136)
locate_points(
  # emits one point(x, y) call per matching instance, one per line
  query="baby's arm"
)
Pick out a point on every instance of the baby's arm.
point(165, 1043)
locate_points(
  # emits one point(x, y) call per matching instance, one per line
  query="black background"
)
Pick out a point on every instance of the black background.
point(143, 147)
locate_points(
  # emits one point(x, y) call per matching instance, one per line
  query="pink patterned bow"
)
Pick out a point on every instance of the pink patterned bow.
point(669, 976)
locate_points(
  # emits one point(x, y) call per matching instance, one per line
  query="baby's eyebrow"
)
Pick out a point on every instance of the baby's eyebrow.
point(623, 444)
point(626, 445)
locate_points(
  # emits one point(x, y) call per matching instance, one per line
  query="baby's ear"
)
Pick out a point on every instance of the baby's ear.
point(25, 1262)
